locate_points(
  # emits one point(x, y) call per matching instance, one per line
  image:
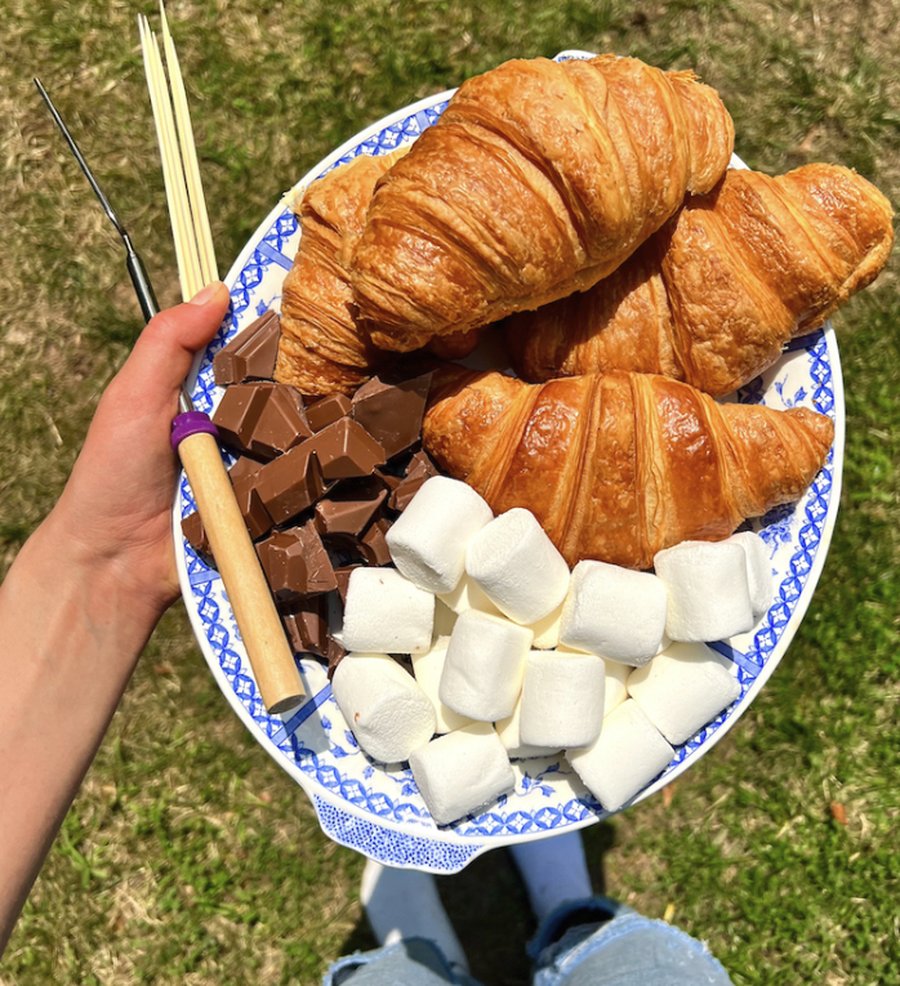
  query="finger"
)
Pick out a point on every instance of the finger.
point(165, 349)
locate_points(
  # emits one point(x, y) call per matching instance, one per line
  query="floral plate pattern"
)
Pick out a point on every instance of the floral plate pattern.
point(377, 810)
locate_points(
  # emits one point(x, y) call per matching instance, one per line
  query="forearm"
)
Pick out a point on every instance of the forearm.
point(71, 630)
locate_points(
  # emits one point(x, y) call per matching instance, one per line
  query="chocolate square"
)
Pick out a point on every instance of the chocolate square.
point(392, 413)
point(291, 483)
point(251, 354)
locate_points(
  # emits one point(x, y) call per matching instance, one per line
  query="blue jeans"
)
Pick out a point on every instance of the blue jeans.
point(626, 949)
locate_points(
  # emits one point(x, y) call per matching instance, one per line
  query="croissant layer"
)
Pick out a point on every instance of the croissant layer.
point(322, 350)
point(539, 179)
point(618, 466)
point(713, 297)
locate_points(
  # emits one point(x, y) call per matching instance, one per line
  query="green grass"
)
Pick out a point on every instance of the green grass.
point(189, 857)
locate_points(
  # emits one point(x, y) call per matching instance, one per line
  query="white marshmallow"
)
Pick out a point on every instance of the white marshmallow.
point(562, 699)
point(709, 593)
point(625, 757)
point(615, 676)
point(615, 688)
point(468, 594)
point(614, 612)
point(518, 566)
point(386, 614)
point(461, 771)
point(683, 688)
point(444, 619)
point(428, 668)
point(511, 737)
point(759, 570)
point(389, 713)
point(484, 666)
point(546, 631)
point(428, 541)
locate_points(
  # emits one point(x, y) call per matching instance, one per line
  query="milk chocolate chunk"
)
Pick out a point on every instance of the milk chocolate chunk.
point(291, 483)
point(296, 564)
point(327, 410)
point(339, 514)
point(320, 573)
point(373, 546)
point(388, 479)
point(420, 469)
point(195, 534)
point(345, 450)
point(281, 423)
point(250, 503)
point(243, 468)
point(251, 354)
point(306, 623)
point(342, 574)
point(238, 413)
point(392, 413)
point(243, 475)
point(336, 654)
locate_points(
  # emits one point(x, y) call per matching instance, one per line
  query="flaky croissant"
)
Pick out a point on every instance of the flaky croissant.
point(618, 466)
point(323, 349)
point(539, 179)
point(713, 296)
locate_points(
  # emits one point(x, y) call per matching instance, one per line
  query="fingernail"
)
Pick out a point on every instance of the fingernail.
point(206, 294)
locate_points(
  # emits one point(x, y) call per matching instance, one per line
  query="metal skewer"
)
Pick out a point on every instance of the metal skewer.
point(134, 264)
point(195, 438)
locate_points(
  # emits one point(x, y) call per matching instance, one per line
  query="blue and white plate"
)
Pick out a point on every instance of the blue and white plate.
point(377, 810)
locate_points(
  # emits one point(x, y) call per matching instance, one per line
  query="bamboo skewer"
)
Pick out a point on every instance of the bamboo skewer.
point(199, 214)
point(251, 601)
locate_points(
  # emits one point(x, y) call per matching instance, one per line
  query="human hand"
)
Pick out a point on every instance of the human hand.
point(116, 507)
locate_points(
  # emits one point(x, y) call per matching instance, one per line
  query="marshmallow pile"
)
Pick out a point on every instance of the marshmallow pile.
point(514, 656)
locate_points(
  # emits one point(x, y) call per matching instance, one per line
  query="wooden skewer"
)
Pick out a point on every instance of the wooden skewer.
point(176, 192)
point(202, 233)
point(251, 601)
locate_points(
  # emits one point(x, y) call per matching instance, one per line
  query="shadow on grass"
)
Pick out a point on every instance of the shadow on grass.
point(488, 907)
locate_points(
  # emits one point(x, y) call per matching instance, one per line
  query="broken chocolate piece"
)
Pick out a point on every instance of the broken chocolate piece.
point(262, 419)
point(195, 533)
point(320, 574)
point(336, 654)
point(342, 575)
point(345, 450)
point(388, 478)
point(327, 410)
point(291, 483)
point(338, 514)
point(242, 468)
point(392, 413)
point(251, 354)
point(238, 413)
point(420, 469)
point(253, 510)
point(372, 545)
point(281, 424)
point(296, 564)
point(306, 623)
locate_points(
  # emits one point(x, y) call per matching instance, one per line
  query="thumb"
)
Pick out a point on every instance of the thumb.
point(165, 349)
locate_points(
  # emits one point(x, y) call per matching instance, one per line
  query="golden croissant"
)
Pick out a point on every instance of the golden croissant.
point(713, 297)
point(323, 349)
point(618, 466)
point(539, 179)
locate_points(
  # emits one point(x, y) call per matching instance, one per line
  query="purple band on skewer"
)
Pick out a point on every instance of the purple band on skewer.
point(191, 423)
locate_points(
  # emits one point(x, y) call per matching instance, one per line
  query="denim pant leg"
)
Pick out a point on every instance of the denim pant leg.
point(411, 962)
point(627, 950)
